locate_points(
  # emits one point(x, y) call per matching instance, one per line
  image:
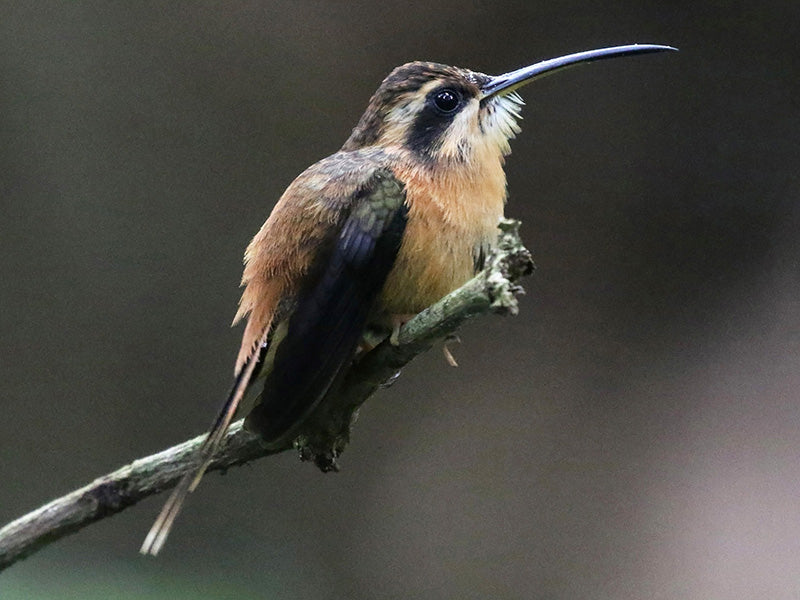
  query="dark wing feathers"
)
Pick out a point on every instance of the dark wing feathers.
point(331, 310)
point(348, 271)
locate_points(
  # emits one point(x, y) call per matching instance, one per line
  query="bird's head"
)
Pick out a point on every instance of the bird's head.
point(440, 112)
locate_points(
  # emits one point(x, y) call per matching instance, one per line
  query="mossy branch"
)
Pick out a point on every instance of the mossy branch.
point(325, 434)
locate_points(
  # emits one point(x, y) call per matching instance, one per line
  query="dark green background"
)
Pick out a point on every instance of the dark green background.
point(632, 434)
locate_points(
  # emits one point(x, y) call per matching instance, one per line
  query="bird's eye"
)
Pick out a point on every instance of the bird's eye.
point(446, 100)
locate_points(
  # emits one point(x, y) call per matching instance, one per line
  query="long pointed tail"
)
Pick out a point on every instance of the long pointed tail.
point(160, 530)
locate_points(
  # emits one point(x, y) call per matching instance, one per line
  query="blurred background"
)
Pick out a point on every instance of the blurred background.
point(634, 432)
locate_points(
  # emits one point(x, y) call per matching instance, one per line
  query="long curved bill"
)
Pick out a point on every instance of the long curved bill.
point(508, 82)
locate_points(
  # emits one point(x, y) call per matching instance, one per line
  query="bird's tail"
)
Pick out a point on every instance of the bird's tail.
point(160, 530)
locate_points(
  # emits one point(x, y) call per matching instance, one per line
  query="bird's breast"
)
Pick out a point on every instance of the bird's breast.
point(453, 216)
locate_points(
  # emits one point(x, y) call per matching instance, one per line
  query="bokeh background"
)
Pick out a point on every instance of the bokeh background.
point(633, 433)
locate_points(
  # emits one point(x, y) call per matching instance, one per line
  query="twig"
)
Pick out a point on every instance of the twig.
point(325, 434)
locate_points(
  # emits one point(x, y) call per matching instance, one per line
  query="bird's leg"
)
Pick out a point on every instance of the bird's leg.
point(397, 322)
point(364, 346)
point(370, 338)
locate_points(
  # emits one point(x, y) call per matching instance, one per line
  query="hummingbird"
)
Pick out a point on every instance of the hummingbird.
point(404, 213)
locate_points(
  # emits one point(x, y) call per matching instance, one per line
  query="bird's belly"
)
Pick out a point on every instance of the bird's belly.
point(434, 259)
point(453, 216)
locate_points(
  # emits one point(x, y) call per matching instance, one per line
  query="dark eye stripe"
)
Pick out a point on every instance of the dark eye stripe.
point(440, 108)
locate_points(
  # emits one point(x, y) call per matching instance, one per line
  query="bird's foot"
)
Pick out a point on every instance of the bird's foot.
point(397, 322)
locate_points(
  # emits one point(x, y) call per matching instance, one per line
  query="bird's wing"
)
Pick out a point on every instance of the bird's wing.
point(330, 310)
point(322, 257)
